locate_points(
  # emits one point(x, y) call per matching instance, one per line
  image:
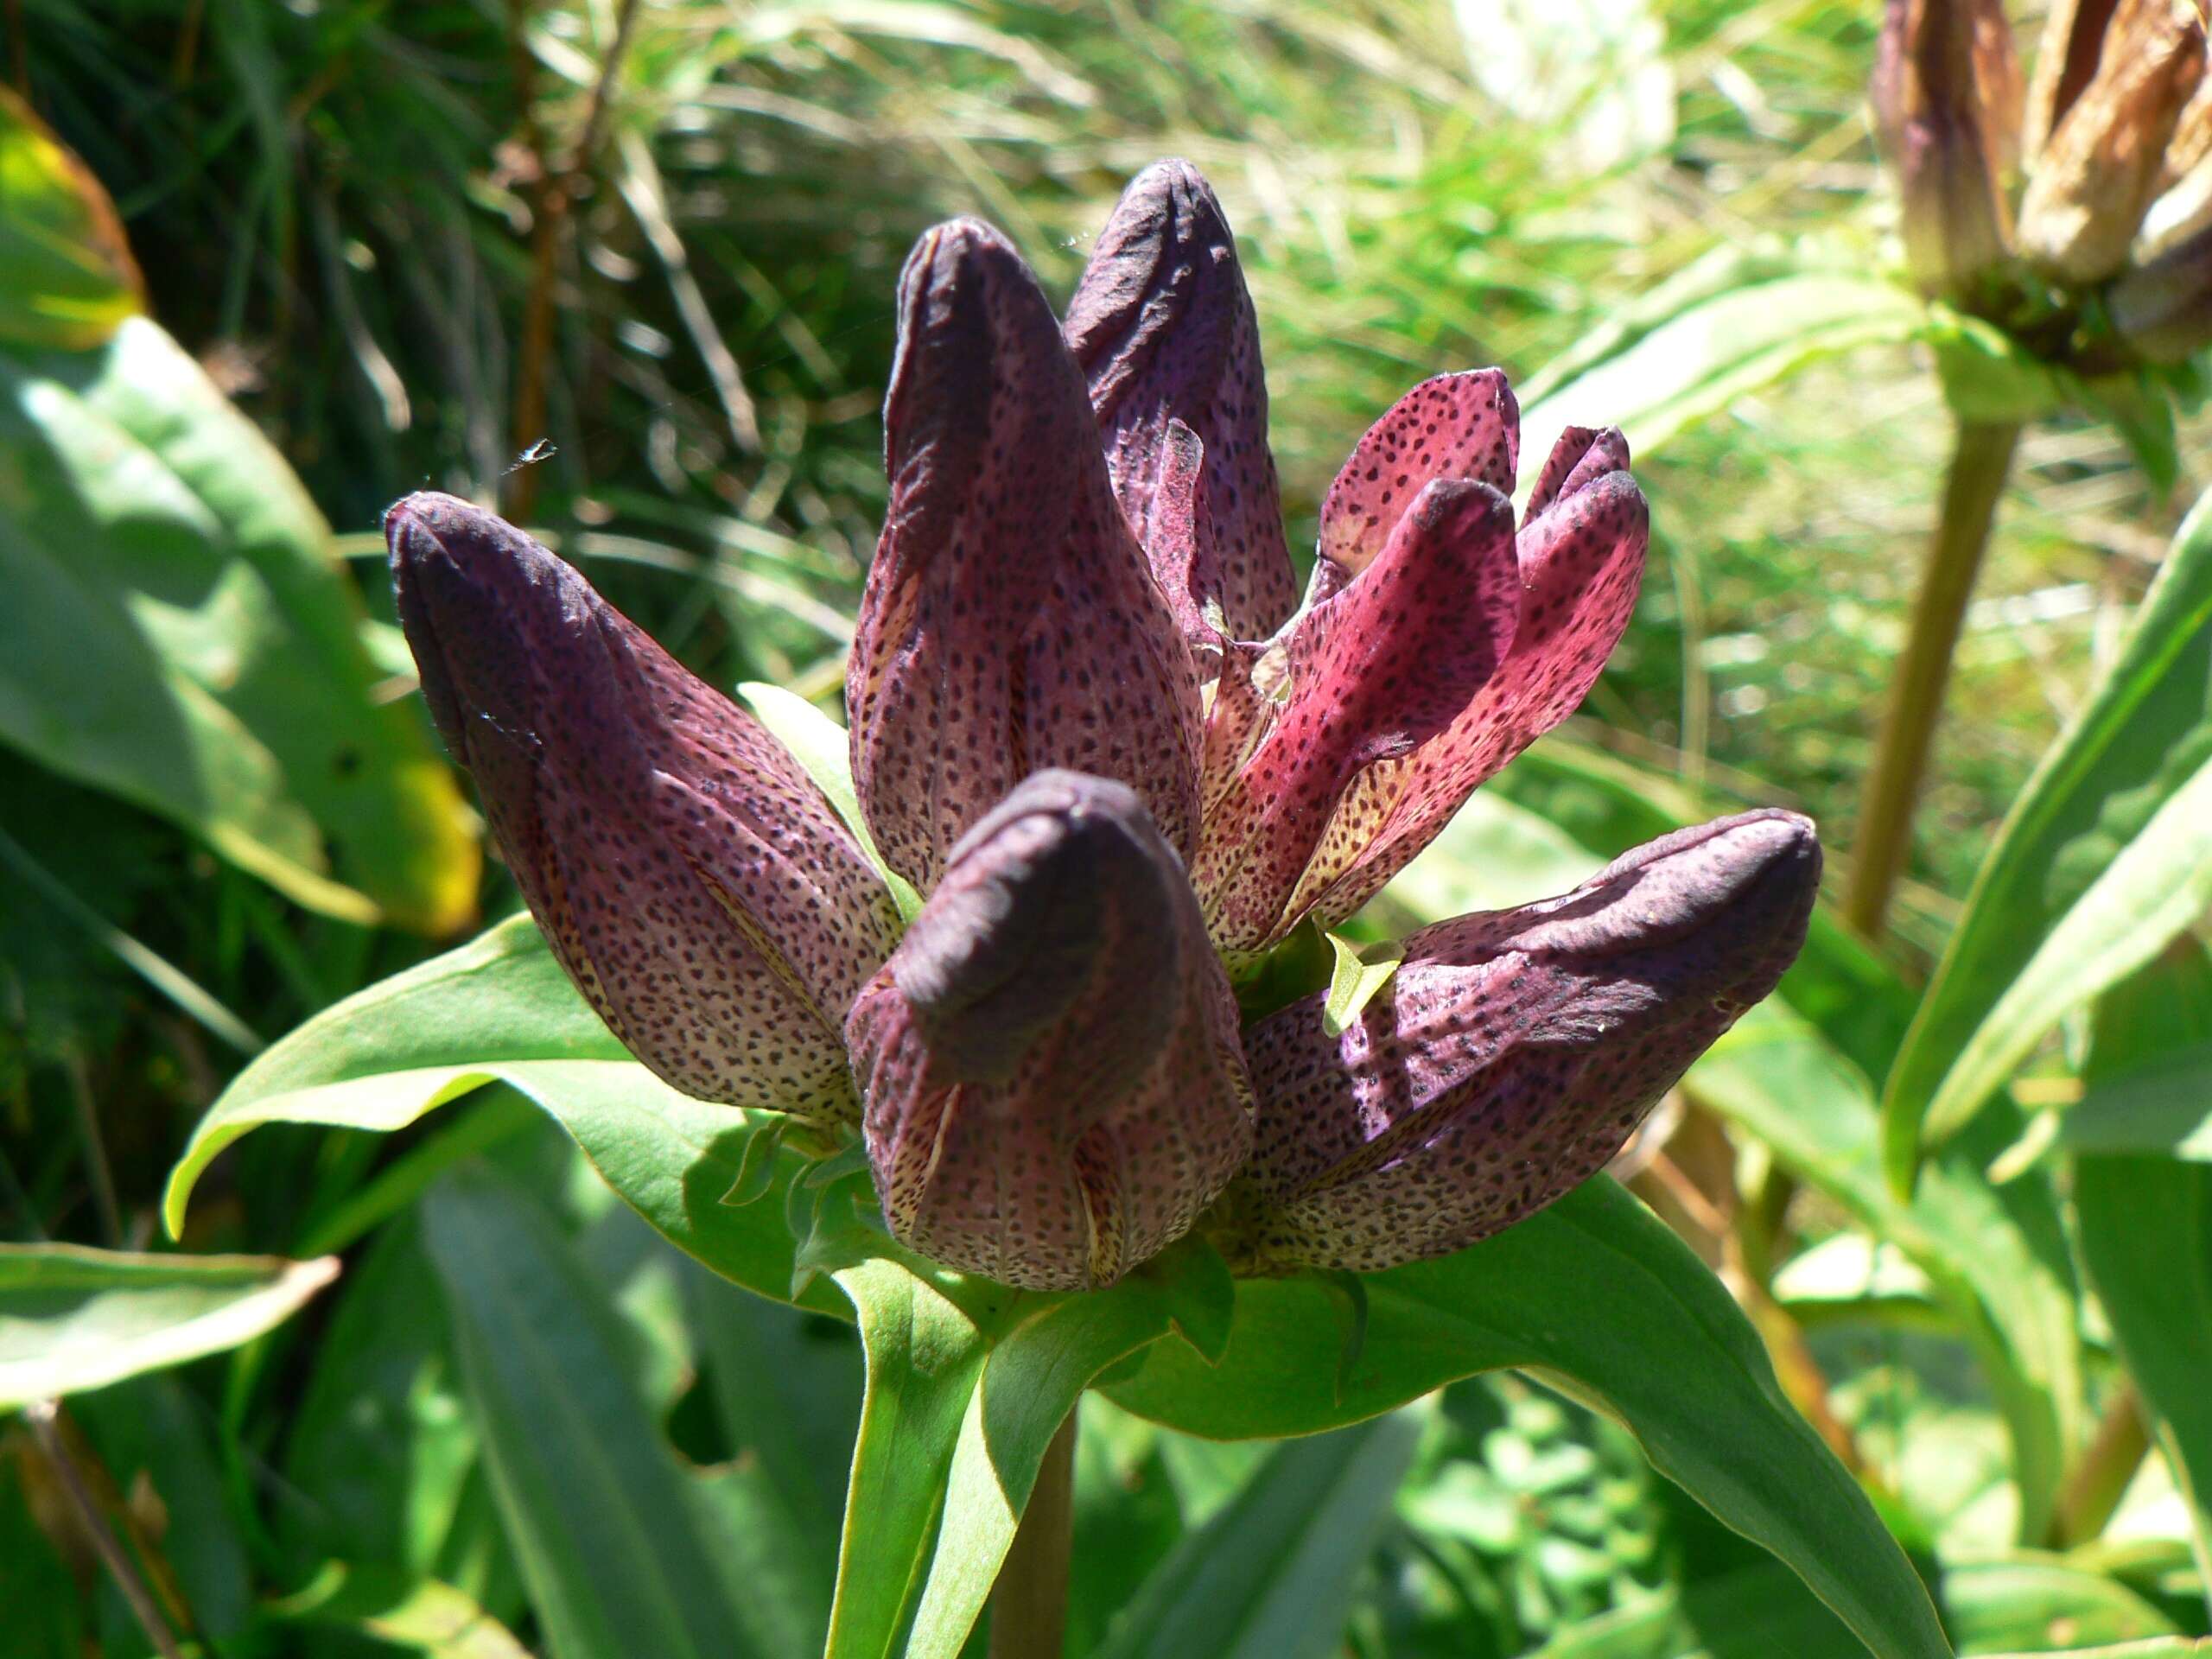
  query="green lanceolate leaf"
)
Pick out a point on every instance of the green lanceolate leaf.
point(1996, 1255)
point(73, 1318)
point(611, 1540)
point(1359, 974)
point(1273, 1574)
point(184, 637)
point(2145, 1228)
point(500, 1010)
point(1758, 1612)
point(1719, 348)
point(1586, 1293)
point(2105, 855)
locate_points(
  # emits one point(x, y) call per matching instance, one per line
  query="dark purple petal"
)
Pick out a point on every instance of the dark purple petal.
point(1054, 1087)
point(689, 876)
point(1514, 1051)
point(1454, 426)
point(1383, 667)
point(1009, 622)
point(1163, 330)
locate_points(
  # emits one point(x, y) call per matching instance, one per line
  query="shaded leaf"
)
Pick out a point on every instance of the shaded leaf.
point(595, 1508)
point(1272, 1576)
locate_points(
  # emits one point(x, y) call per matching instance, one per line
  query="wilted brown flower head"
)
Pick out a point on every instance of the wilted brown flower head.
point(2111, 148)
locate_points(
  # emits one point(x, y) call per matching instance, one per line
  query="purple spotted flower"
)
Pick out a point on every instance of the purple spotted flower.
point(1091, 725)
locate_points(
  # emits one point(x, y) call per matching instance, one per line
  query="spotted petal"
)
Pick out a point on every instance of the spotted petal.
point(1462, 425)
point(1009, 622)
point(1581, 555)
point(1053, 1082)
point(692, 880)
point(1370, 674)
point(1514, 1051)
point(1163, 327)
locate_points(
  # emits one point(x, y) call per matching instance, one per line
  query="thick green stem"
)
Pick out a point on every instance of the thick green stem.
point(1980, 464)
point(1029, 1604)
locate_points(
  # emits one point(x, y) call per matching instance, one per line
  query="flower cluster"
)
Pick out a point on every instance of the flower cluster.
point(2110, 148)
point(1094, 727)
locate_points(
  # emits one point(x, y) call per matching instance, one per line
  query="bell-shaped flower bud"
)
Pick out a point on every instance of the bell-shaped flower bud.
point(1514, 1052)
point(1947, 113)
point(2112, 98)
point(695, 883)
point(1009, 622)
point(1054, 1084)
point(1163, 327)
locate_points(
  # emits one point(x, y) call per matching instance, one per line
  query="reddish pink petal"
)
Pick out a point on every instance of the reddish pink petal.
point(1054, 1087)
point(1383, 667)
point(687, 873)
point(1581, 555)
point(1454, 426)
point(1514, 1051)
point(1009, 622)
point(1163, 327)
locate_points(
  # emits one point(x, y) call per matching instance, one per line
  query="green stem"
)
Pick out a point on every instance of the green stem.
point(2099, 1479)
point(1980, 461)
point(1029, 1604)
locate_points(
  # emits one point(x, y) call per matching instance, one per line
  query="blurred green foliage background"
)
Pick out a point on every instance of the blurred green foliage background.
point(416, 240)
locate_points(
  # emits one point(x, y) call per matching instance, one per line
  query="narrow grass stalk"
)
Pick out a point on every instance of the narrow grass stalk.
point(43, 1416)
point(1029, 1604)
point(1980, 461)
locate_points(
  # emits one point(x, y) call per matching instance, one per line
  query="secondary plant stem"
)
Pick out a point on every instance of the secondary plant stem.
point(1029, 1604)
point(1980, 464)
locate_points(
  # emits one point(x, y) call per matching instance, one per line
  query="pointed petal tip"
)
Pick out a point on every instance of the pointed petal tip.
point(1466, 424)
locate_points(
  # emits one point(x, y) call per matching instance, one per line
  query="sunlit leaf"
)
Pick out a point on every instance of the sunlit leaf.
point(71, 1318)
point(67, 278)
point(2105, 856)
point(184, 638)
point(1584, 1293)
point(413, 1615)
point(1996, 1255)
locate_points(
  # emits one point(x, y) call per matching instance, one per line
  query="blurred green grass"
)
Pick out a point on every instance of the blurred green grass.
point(335, 202)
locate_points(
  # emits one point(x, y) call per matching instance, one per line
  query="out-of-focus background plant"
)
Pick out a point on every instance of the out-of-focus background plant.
point(626, 269)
